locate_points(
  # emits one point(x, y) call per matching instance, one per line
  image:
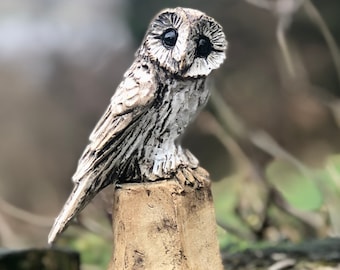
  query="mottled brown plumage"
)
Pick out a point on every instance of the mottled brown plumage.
point(137, 137)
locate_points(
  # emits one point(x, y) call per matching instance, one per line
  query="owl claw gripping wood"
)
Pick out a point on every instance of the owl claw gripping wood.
point(161, 93)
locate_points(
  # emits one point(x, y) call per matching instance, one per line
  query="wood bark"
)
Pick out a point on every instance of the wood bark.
point(166, 224)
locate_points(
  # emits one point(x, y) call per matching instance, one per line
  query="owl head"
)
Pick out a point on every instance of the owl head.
point(185, 42)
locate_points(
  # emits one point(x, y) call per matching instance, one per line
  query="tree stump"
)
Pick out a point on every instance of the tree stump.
point(167, 224)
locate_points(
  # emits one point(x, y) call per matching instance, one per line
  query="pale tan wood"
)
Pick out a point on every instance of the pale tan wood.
point(166, 225)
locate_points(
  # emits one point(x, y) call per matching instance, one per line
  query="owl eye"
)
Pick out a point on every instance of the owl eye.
point(204, 47)
point(169, 38)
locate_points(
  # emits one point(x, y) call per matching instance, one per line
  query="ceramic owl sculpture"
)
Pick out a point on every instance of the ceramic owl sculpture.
point(161, 93)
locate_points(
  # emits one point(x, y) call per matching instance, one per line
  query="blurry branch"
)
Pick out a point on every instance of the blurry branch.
point(7, 237)
point(267, 143)
point(261, 3)
point(246, 169)
point(284, 11)
point(283, 44)
point(235, 231)
point(334, 106)
point(333, 200)
point(95, 227)
point(334, 174)
point(232, 124)
point(263, 141)
point(233, 127)
point(259, 138)
point(311, 219)
point(23, 215)
point(333, 210)
point(214, 128)
point(236, 136)
point(7, 234)
point(315, 17)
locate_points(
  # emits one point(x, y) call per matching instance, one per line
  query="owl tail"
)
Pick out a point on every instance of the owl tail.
point(82, 193)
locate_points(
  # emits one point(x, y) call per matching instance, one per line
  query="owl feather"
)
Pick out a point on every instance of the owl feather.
point(137, 138)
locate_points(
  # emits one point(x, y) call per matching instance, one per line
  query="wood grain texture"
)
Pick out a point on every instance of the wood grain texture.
point(165, 225)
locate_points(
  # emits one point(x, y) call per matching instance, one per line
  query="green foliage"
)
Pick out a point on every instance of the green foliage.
point(309, 196)
point(298, 187)
point(94, 249)
point(332, 174)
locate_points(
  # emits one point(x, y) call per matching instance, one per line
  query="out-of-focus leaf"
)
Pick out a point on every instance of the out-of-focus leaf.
point(94, 249)
point(333, 172)
point(331, 185)
point(299, 189)
point(252, 201)
point(226, 199)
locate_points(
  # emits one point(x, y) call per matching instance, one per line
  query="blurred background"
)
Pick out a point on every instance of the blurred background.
point(269, 136)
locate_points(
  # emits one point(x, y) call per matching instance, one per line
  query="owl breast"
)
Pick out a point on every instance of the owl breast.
point(150, 151)
point(180, 103)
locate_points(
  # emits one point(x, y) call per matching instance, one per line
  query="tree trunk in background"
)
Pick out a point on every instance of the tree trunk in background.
point(166, 224)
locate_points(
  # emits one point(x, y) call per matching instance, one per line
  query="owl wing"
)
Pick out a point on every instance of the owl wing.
point(133, 96)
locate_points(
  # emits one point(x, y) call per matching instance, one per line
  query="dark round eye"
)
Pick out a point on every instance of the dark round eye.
point(169, 38)
point(204, 47)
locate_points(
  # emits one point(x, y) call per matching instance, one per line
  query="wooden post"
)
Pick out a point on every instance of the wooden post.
point(166, 224)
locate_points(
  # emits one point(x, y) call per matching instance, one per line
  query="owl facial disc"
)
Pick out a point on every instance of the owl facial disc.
point(186, 42)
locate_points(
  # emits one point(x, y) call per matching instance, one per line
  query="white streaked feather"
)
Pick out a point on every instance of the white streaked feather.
point(161, 93)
